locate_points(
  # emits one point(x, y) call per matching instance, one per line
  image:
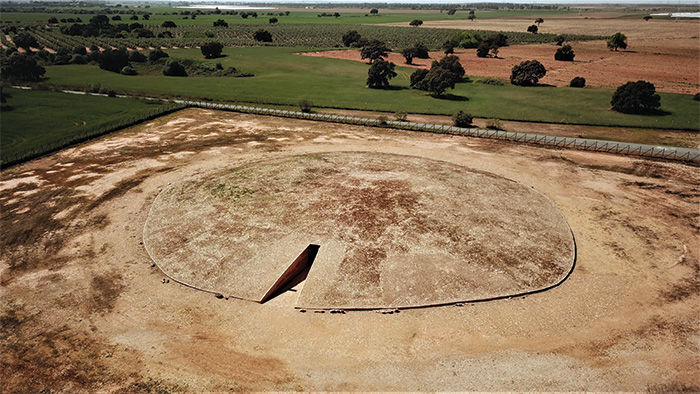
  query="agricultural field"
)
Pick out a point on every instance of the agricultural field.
point(377, 259)
point(283, 77)
point(45, 119)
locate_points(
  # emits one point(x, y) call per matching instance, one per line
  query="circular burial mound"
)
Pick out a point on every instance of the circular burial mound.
point(393, 231)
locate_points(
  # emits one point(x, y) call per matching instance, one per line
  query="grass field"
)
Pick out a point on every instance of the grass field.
point(282, 77)
point(295, 17)
point(43, 117)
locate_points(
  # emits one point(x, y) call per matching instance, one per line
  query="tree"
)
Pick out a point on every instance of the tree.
point(273, 20)
point(212, 49)
point(636, 98)
point(53, 19)
point(22, 67)
point(374, 11)
point(25, 40)
point(450, 63)
point(418, 76)
point(527, 73)
point(449, 47)
point(617, 40)
point(416, 22)
point(532, 29)
point(173, 68)
point(471, 17)
point(336, 14)
point(565, 53)
point(156, 54)
point(351, 38)
point(483, 49)
point(646, 18)
point(113, 60)
point(696, 97)
point(374, 50)
point(168, 24)
point(134, 17)
point(116, 18)
point(451, 11)
point(262, 36)
point(100, 21)
point(305, 105)
point(578, 82)
point(539, 20)
point(559, 39)
point(437, 80)
point(462, 119)
point(379, 74)
point(220, 23)
point(408, 54)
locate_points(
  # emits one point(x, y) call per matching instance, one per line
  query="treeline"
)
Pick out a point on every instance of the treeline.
point(426, 6)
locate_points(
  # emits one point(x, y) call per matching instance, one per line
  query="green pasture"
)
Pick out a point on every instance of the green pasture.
point(283, 77)
point(300, 16)
point(44, 118)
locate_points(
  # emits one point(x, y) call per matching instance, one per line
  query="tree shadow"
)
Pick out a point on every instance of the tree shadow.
point(649, 112)
point(392, 87)
point(452, 97)
point(217, 57)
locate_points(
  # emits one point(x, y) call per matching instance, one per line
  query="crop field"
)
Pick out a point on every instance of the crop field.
point(44, 118)
point(84, 308)
point(283, 77)
point(194, 250)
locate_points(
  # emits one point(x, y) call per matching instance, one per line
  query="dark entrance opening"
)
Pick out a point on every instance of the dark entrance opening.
point(295, 274)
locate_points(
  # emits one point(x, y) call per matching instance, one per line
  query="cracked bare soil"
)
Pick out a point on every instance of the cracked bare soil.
point(83, 310)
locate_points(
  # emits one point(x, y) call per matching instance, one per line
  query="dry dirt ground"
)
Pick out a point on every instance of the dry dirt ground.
point(664, 52)
point(83, 309)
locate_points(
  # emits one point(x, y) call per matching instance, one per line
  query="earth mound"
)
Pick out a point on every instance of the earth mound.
point(392, 232)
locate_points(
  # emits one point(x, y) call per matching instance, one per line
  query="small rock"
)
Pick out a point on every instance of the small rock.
point(460, 305)
point(153, 265)
point(302, 310)
point(140, 243)
point(219, 295)
point(319, 311)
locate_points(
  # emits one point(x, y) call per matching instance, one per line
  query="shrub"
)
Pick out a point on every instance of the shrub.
point(494, 124)
point(462, 119)
point(262, 36)
point(415, 22)
point(78, 59)
point(578, 82)
point(220, 23)
point(636, 98)
point(137, 57)
point(532, 29)
point(401, 116)
point(696, 97)
point(565, 53)
point(491, 81)
point(168, 24)
point(22, 67)
point(128, 70)
point(527, 73)
point(80, 50)
point(156, 54)
point(173, 68)
point(305, 105)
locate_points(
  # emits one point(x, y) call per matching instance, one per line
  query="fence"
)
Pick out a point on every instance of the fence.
point(663, 152)
point(11, 160)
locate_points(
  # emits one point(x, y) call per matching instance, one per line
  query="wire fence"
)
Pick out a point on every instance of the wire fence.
point(54, 146)
point(688, 155)
point(663, 152)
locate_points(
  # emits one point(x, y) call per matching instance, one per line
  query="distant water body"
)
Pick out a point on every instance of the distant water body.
point(680, 14)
